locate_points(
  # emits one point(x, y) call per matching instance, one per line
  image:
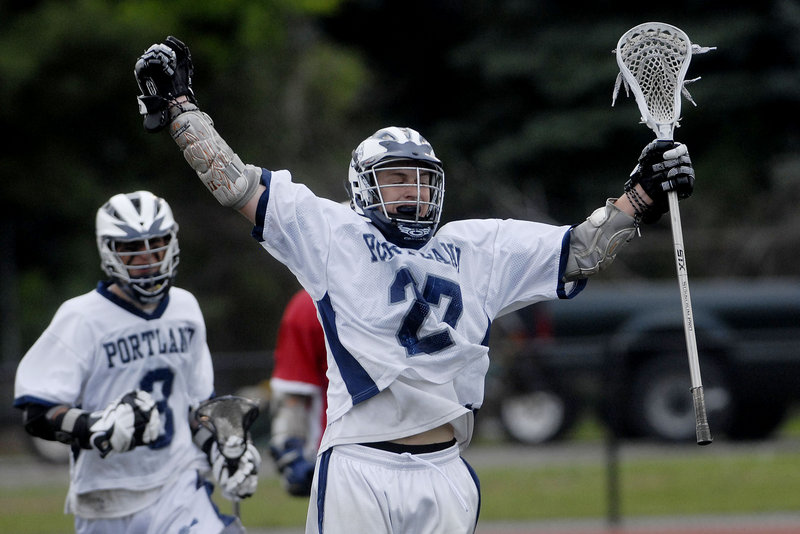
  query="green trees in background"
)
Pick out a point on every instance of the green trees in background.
point(515, 96)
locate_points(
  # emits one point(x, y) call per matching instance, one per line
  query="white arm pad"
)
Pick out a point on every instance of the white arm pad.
point(595, 242)
point(231, 182)
point(290, 418)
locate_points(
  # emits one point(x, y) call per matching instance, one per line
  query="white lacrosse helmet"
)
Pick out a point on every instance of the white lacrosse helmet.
point(135, 224)
point(397, 148)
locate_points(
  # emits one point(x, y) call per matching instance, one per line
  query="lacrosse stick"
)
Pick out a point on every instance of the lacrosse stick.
point(228, 418)
point(653, 59)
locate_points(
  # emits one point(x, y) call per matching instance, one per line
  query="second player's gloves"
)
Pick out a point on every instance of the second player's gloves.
point(127, 422)
point(296, 471)
point(663, 166)
point(237, 478)
point(164, 72)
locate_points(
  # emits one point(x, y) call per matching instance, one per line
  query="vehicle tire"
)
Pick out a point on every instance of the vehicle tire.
point(661, 405)
point(536, 417)
point(53, 452)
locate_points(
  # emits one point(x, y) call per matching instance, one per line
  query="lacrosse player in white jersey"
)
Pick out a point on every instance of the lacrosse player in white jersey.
point(406, 309)
point(116, 374)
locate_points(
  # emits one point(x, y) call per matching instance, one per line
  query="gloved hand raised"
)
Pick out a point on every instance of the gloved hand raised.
point(663, 166)
point(127, 422)
point(164, 72)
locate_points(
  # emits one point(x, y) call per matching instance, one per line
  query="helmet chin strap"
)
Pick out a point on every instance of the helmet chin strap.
point(402, 234)
point(143, 301)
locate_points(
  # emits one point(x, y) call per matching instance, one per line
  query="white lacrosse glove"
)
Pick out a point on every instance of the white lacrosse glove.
point(127, 422)
point(237, 477)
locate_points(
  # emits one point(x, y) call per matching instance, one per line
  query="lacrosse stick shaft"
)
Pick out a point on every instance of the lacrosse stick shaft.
point(701, 419)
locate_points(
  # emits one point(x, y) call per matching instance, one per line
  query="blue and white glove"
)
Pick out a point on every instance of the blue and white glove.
point(129, 421)
point(296, 471)
point(237, 477)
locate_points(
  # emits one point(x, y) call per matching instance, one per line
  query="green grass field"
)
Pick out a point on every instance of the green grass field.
point(695, 481)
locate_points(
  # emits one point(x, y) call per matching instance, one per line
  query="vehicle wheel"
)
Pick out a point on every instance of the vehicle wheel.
point(53, 452)
point(661, 404)
point(536, 417)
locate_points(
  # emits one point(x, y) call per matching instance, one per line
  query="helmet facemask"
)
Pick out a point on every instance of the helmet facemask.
point(146, 282)
point(398, 183)
point(138, 244)
point(423, 208)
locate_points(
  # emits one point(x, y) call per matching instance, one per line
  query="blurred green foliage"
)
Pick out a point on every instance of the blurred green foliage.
point(515, 96)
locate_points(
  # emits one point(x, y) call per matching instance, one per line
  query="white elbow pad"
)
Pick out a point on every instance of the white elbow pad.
point(595, 242)
point(231, 182)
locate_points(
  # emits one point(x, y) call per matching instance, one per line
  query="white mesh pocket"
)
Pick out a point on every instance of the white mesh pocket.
point(653, 59)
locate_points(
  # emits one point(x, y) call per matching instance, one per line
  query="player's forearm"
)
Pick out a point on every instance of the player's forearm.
point(625, 202)
point(232, 183)
point(290, 417)
point(58, 423)
point(595, 242)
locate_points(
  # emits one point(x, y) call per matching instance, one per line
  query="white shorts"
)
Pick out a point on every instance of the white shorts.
point(359, 489)
point(183, 507)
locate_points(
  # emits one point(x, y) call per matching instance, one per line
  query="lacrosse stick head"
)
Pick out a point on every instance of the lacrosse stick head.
point(653, 59)
point(228, 417)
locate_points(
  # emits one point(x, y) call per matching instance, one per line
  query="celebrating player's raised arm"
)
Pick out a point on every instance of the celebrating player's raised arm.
point(594, 244)
point(406, 305)
point(164, 74)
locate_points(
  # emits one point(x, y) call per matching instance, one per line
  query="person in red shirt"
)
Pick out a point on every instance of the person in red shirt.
point(298, 394)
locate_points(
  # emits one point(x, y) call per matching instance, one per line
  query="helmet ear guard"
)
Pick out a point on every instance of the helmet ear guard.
point(402, 149)
point(138, 224)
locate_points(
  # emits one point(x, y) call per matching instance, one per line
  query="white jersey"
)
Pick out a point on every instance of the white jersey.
point(407, 331)
point(96, 349)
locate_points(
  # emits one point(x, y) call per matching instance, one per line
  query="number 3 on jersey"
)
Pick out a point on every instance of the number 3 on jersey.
point(420, 308)
point(155, 380)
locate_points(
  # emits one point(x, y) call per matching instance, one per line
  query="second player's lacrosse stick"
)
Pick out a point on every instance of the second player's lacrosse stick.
point(228, 418)
point(653, 59)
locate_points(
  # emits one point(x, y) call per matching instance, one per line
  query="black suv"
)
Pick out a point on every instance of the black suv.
point(620, 349)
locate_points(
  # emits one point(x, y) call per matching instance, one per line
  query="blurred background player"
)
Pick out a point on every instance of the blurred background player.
point(116, 375)
point(298, 394)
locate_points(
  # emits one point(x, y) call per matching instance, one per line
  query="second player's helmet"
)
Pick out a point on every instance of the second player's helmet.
point(138, 224)
point(404, 148)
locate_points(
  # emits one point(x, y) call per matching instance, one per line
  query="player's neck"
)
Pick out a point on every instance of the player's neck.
point(147, 308)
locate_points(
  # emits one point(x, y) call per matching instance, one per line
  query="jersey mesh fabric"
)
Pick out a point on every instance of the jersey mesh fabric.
point(407, 329)
point(95, 350)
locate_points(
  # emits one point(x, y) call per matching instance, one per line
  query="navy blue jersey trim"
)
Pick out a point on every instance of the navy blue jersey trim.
point(102, 288)
point(358, 382)
point(477, 481)
point(562, 267)
point(322, 486)
point(261, 209)
point(20, 402)
point(485, 341)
